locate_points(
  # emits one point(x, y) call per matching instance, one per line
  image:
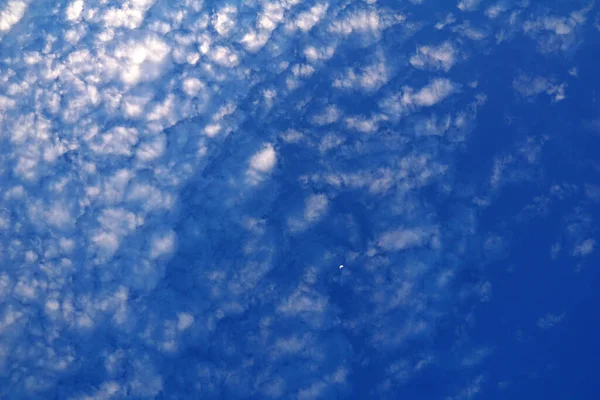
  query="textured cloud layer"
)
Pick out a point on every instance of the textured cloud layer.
point(180, 183)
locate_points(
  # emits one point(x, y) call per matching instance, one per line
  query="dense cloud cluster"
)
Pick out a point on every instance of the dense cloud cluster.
point(181, 180)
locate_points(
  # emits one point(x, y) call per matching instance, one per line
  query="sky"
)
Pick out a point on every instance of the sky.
point(286, 199)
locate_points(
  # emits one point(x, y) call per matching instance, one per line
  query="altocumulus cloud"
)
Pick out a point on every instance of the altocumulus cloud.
point(180, 182)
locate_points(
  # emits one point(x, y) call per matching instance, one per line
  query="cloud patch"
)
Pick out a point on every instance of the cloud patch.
point(441, 57)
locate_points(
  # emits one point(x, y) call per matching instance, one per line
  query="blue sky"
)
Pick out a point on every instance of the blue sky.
point(180, 183)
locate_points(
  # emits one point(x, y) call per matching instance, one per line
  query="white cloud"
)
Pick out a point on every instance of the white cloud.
point(554, 250)
point(117, 141)
point(476, 357)
point(495, 10)
point(151, 149)
point(184, 321)
point(270, 17)
point(11, 14)
point(556, 33)
point(130, 15)
point(314, 54)
point(440, 57)
point(584, 248)
point(308, 19)
point(471, 390)
point(253, 41)
point(313, 391)
point(305, 303)
point(468, 5)
point(368, 79)
point(434, 125)
point(559, 26)
point(261, 164)
point(139, 60)
point(365, 22)
point(410, 100)
point(448, 20)
point(224, 21)
point(224, 57)
point(550, 320)
point(264, 160)
point(162, 244)
point(469, 31)
point(592, 191)
point(114, 223)
point(402, 239)
point(329, 142)
point(315, 208)
point(361, 21)
point(135, 134)
point(74, 10)
point(193, 86)
point(531, 87)
point(436, 91)
point(329, 115)
point(364, 125)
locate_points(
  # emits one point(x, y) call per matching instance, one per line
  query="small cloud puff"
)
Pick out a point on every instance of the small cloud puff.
point(557, 33)
point(531, 87)
point(409, 100)
point(441, 57)
point(328, 116)
point(261, 164)
point(550, 320)
point(224, 20)
point(365, 22)
point(369, 80)
point(308, 19)
point(403, 239)
point(264, 160)
point(11, 14)
point(315, 208)
point(584, 248)
point(162, 244)
point(437, 90)
point(468, 5)
point(130, 15)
